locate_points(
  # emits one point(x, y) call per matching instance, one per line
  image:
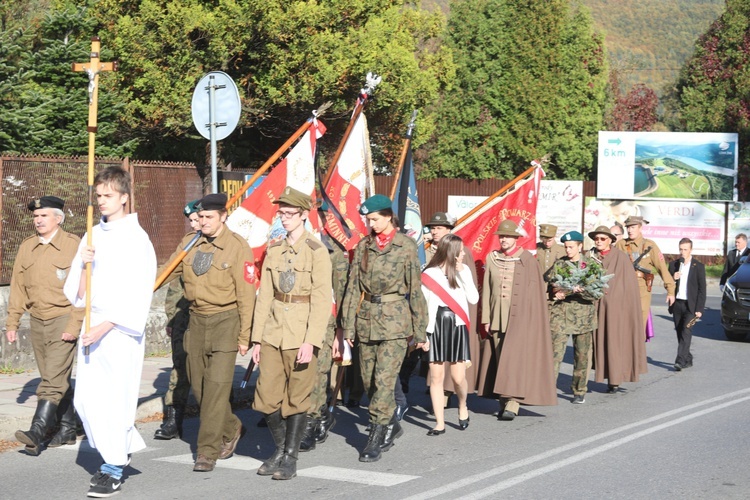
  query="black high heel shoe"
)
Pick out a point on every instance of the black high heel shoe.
point(463, 424)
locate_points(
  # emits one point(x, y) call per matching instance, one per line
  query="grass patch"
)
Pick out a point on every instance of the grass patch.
point(162, 353)
point(714, 270)
point(7, 369)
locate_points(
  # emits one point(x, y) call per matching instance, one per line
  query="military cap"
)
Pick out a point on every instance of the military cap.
point(508, 228)
point(547, 230)
point(294, 198)
point(215, 201)
point(442, 219)
point(375, 203)
point(572, 236)
point(603, 230)
point(191, 208)
point(46, 202)
point(635, 219)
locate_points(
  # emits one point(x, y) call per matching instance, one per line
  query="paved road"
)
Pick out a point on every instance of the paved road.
point(673, 435)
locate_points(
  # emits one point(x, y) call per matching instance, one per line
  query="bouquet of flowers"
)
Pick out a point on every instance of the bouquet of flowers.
point(587, 278)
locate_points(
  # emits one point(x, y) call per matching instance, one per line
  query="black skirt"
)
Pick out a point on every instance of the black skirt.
point(449, 342)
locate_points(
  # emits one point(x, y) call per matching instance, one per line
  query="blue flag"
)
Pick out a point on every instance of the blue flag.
point(406, 205)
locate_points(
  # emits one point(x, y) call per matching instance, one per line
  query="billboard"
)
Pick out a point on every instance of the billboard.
point(667, 166)
point(670, 221)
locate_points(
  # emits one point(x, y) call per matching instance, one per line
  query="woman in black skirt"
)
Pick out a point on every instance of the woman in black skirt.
point(449, 288)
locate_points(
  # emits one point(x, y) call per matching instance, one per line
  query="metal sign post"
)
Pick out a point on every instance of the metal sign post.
point(216, 113)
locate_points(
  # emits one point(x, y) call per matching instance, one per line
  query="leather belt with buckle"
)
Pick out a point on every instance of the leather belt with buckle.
point(291, 299)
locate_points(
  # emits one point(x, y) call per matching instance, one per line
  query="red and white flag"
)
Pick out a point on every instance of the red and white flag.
point(348, 185)
point(255, 219)
point(518, 205)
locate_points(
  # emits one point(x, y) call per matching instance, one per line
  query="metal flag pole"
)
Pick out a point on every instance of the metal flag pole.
point(92, 69)
point(404, 150)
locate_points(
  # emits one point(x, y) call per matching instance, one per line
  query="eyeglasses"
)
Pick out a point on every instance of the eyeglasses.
point(287, 214)
point(602, 238)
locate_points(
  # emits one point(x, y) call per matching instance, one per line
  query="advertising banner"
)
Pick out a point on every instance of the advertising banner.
point(667, 166)
point(670, 221)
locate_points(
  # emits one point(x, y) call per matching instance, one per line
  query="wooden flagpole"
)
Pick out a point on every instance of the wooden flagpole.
point(92, 68)
point(404, 150)
point(172, 265)
point(499, 192)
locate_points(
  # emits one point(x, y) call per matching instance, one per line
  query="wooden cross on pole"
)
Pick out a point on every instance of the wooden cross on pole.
point(92, 69)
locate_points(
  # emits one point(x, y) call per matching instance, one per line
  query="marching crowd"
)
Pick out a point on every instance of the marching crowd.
point(315, 303)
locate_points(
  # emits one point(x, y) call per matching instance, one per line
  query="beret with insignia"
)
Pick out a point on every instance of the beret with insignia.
point(375, 203)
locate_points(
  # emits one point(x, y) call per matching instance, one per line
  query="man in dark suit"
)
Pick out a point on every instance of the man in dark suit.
point(732, 262)
point(690, 278)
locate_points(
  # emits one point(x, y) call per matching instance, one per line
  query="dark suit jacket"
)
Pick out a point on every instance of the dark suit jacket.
point(732, 263)
point(696, 290)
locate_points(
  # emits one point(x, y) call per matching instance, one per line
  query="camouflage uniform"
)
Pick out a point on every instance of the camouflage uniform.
point(653, 259)
point(574, 315)
point(340, 274)
point(384, 306)
point(178, 316)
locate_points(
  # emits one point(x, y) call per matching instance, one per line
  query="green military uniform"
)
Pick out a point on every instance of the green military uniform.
point(574, 315)
point(547, 256)
point(285, 318)
point(653, 259)
point(36, 286)
point(339, 276)
point(392, 309)
point(222, 297)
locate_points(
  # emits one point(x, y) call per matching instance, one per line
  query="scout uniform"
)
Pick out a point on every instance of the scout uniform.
point(222, 296)
point(36, 287)
point(319, 419)
point(383, 306)
point(548, 256)
point(574, 315)
point(293, 308)
point(177, 308)
point(650, 258)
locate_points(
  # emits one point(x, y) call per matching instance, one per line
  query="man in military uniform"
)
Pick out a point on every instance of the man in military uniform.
point(573, 312)
point(516, 364)
point(290, 321)
point(36, 286)
point(319, 419)
point(439, 225)
point(547, 250)
point(177, 308)
point(221, 292)
point(645, 256)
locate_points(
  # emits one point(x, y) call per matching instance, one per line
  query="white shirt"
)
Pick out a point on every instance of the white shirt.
point(684, 273)
point(465, 294)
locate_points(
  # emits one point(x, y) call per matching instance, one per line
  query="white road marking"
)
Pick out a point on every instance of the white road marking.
point(236, 462)
point(470, 480)
point(355, 476)
point(83, 446)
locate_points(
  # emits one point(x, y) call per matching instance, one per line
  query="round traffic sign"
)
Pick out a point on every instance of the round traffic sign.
point(228, 107)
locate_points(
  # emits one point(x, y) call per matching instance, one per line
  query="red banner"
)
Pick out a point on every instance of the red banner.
point(518, 205)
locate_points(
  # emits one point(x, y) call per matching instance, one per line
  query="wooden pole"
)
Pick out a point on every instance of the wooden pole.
point(93, 68)
point(404, 150)
point(316, 114)
point(499, 192)
point(172, 265)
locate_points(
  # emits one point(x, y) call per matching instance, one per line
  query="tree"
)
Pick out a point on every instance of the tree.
point(287, 57)
point(636, 111)
point(713, 92)
point(530, 81)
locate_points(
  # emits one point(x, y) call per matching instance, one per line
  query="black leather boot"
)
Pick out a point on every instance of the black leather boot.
point(44, 419)
point(277, 426)
point(326, 423)
point(171, 426)
point(372, 451)
point(295, 428)
point(308, 439)
point(67, 418)
point(392, 432)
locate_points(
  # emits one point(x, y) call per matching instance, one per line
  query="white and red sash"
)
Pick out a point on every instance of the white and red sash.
point(447, 298)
